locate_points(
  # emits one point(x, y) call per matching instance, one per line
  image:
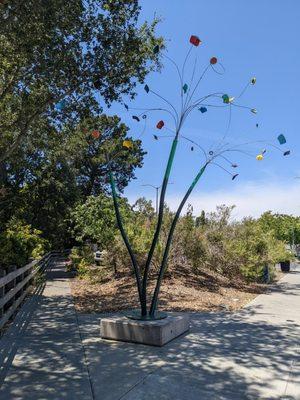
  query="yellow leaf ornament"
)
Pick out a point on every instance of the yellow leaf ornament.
point(128, 144)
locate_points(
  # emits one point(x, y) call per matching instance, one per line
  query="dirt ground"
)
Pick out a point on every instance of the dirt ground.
point(205, 292)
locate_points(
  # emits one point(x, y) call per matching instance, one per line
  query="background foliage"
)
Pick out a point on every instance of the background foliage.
point(238, 250)
point(61, 63)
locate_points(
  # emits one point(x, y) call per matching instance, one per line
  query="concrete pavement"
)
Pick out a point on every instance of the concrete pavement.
point(252, 354)
point(41, 356)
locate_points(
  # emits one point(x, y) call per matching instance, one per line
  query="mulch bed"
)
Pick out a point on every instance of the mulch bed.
point(203, 292)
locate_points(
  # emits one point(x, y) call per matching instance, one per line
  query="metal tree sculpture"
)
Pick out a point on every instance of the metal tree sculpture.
point(218, 151)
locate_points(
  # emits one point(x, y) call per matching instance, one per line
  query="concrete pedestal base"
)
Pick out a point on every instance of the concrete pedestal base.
point(154, 333)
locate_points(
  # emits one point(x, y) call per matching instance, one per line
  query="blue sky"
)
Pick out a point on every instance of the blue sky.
point(250, 38)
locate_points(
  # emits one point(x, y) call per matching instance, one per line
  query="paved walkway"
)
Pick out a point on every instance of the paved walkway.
point(42, 356)
point(252, 354)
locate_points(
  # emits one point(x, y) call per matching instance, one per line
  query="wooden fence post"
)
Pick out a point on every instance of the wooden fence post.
point(2, 291)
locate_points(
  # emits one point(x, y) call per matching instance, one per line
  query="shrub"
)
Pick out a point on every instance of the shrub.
point(19, 242)
point(234, 249)
point(82, 258)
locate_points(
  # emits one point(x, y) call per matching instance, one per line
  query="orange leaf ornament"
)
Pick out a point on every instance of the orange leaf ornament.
point(160, 124)
point(96, 134)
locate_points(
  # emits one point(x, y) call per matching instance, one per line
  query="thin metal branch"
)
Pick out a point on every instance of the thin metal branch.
point(197, 84)
point(177, 68)
point(167, 101)
point(196, 144)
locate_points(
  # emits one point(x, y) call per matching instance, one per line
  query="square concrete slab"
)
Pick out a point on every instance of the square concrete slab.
point(154, 333)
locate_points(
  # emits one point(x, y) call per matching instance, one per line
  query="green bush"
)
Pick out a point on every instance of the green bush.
point(81, 258)
point(234, 249)
point(214, 242)
point(19, 242)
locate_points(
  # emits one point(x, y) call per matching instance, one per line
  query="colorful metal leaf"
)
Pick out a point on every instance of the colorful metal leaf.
point(96, 134)
point(253, 80)
point(203, 109)
point(160, 124)
point(128, 144)
point(259, 157)
point(136, 118)
point(281, 139)
point(147, 89)
point(194, 40)
point(185, 88)
point(234, 176)
point(254, 110)
point(225, 98)
point(287, 153)
point(213, 60)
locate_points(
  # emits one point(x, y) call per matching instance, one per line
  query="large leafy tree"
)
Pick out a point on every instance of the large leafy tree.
point(59, 169)
point(60, 63)
point(59, 58)
point(285, 227)
point(87, 153)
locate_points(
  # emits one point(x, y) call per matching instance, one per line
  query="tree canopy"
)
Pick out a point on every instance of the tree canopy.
point(61, 64)
point(64, 60)
point(285, 227)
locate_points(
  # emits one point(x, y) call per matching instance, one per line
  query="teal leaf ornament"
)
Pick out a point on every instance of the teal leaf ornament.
point(281, 139)
point(225, 98)
point(185, 88)
point(203, 109)
point(147, 89)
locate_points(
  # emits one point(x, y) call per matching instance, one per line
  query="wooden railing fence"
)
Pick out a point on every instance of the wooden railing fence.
point(15, 284)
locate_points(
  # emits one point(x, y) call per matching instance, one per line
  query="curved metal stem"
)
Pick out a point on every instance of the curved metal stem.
point(158, 225)
point(124, 237)
point(169, 241)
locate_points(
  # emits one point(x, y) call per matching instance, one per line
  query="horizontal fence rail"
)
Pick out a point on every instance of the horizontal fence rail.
point(15, 285)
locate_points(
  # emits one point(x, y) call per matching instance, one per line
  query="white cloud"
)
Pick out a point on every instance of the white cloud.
point(250, 199)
